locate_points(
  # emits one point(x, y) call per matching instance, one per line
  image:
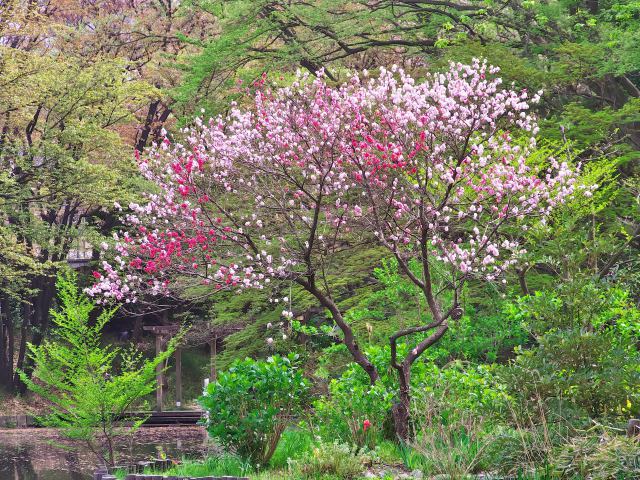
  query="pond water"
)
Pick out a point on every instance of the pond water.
point(37, 454)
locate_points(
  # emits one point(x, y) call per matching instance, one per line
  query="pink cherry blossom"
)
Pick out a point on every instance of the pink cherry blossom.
point(434, 171)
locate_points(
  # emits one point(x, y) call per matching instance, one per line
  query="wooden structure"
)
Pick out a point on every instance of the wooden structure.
point(200, 334)
point(205, 333)
point(80, 254)
point(163, 333)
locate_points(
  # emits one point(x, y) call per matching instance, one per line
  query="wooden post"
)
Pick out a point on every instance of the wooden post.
point(178, 377)
point(214, 351)
point(159, 375)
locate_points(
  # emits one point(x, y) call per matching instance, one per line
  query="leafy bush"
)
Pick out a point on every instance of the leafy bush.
point(86, 394)
point(330, 459)
point(480, 337)
point(599, 457)
point(597, 373)
point(453, 412)
point(576, 305)
point(451, 391)
point(251, 404)
point(586, 358)
point(458, 389)
point(354, 412)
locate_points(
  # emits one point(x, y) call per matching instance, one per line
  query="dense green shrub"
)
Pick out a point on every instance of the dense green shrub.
point(459, 389)
point(454, 413)
point(449, 392)
point(352, 401)
point(481, 337)
point(586, 357)
point(354, 411)
point(597, 373)
point(576, 305)
point(251, 404)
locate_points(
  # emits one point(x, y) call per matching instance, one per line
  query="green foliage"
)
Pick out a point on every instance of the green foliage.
point(294, 443)
point(455, 413)
point(482, 334)
point(588, 126)
point(251, 404)
point(16, 264)
point(88, 387)
point(455, 448)
point(451, 392)
point(460, 389)
point(588, 357)
point(351, 402)
point(225, 464)
point(591, 371)
point(64, 125)
point(252, 311)
point(584, 305)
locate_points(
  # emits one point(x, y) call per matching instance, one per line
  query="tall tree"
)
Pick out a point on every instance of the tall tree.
point(431, 171)
point(62, 130)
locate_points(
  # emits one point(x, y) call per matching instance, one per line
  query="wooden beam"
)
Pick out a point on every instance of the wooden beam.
point(178, 355)
point(162, 329)
point(159, 396)
point(214, 351)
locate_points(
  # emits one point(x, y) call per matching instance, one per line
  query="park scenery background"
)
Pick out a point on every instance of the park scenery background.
point(288, 239)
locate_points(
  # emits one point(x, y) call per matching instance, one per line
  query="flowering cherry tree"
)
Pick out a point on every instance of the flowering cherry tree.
point(435, 171)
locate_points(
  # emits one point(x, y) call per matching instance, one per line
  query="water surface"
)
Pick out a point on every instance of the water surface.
point(36, 454)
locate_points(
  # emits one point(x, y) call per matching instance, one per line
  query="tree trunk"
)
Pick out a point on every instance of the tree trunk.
point(143, 137)
point(137, 329)
point(522, 280)
point(5, 376)
point(348, 337)
point(401, 409)
point(25, 326)
point(10, 353)
point(38, 322)
point(213, 352)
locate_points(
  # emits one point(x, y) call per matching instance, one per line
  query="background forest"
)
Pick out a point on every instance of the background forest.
point(537, 374)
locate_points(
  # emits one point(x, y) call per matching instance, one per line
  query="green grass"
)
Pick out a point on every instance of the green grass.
point(213, 466)
point(227, 465)
point(293, 444)
point(222, 465)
